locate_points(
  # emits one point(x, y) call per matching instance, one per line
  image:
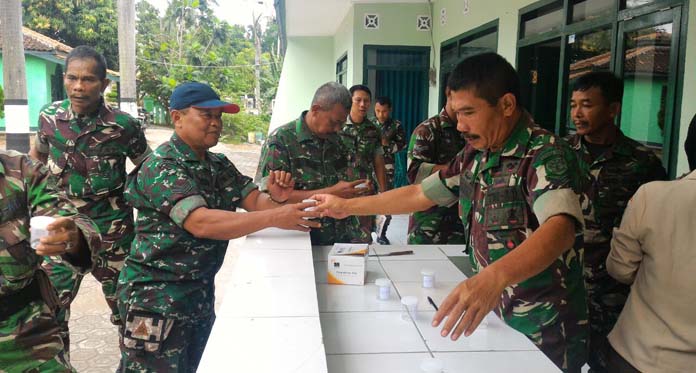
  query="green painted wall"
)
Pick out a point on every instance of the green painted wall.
point(309, 63)
point(480, 13)
point(640, 109)
point(39, 73)
point(397, 27)
point(343, 44)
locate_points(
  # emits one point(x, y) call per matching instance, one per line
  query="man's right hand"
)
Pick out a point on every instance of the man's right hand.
point(293, 217)
point(331, 206)
point(347, 189)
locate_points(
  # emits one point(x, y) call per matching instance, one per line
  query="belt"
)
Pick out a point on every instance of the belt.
point(13, 303)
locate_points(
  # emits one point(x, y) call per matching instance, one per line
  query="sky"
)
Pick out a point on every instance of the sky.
point(237, 12)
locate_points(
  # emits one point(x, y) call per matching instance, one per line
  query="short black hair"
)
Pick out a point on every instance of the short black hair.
point(608, 83)
point(360, 87)
point(85, 52)
point(384, 101)
point(489, 75)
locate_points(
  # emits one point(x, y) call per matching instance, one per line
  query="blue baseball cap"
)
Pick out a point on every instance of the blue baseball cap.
point(198, 95)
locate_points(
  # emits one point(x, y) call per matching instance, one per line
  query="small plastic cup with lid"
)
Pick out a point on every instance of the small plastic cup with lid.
point(410, 306)
point(428, 278)
point(432, 365)
point(37, 229)
point(383, 288)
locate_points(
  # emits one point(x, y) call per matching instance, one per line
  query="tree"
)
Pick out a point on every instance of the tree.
point(77, 22)
point(14, 75)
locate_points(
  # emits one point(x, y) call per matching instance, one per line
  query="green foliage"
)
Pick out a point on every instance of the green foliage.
point(237, 126)
point(190, 43)
point(2, 103)
point(77, 22)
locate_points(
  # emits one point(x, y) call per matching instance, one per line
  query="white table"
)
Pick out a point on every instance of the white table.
point(280, 315)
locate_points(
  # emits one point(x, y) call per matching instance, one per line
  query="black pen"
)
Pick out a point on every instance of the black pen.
point(430, 300)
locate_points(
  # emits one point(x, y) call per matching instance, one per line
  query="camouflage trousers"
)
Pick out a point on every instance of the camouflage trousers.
point(152, 343)
point(564, 343)
point(67, 283)
point(437, 225)
point(606, 299)
point(30, 342)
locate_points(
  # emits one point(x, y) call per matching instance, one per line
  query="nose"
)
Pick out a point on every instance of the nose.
point(575, 112)
point(462, 127)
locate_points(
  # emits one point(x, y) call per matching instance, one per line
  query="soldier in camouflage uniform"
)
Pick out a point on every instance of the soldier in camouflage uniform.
point(310, 149)
point(186, 198)
point(434, 143)
point(85, 143)
point(362, 138)
point(393, 141)
point(518, 191)
point(616, 166)
point(29, 334)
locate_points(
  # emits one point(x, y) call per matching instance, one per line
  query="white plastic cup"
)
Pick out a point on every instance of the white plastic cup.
point(383, 288)
point(361, 186)
point(37, 229)
point(310, 208)
point(484, 324)
point(410, 306)
point(428, 278)
point(432, 365)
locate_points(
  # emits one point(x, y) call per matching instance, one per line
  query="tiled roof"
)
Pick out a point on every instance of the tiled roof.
point(33, 41)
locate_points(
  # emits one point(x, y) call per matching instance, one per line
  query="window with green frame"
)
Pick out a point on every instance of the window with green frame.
point(342, 69)
point(479, 40)
point(561, 40)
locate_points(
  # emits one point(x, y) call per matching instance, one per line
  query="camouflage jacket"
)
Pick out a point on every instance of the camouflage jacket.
point(434, 141)
point(363, 143)
point(169, 271)
point(314, 163)
point(610, 182)
point(88, 158)
point(26, 190)
point(503, 197)
point(394, 133)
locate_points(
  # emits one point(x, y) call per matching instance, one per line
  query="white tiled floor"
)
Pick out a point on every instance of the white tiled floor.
point(409, 271)
point(349, 298)
point(290, 336)
point(376, 363)
point(293, 296)
point(369, 332)
point(503, 361)
point(438, 293)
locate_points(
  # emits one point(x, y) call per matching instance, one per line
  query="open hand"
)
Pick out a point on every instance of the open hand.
point(331, 206)
point(63, 237)
point(280, 185)
point(474, 298)
point(347, 189)
point(293, 217)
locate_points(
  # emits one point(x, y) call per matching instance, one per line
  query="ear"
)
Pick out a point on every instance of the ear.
point(614, 109)
point(315, 108)
point(508, 103)
point(176, 118)
point(105, 83)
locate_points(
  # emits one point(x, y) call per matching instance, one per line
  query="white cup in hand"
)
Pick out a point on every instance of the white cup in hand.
point(38, 229)
point(361, 186)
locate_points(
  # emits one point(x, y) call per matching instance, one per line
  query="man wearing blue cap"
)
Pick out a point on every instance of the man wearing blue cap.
point(186, 198)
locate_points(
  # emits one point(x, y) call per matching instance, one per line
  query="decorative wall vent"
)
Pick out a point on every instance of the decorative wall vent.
point(371, 21)
point(423, 23)
point(443, 16)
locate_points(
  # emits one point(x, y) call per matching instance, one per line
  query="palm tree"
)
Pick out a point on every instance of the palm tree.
point(14, 76)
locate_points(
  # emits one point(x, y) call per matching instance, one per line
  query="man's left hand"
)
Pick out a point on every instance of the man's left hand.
point(280, 185)
point(474, 298)
point(63, 237)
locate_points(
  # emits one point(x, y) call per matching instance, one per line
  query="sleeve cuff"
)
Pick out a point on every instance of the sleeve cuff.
point(142, 157)
point(250, 187)
point(436, 191)
point(184, 207)
point(424, 170)
point(559, 201)
point(92, 237)
point(40, 146)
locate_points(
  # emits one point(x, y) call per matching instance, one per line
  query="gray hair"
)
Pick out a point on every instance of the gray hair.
point(330, 94)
